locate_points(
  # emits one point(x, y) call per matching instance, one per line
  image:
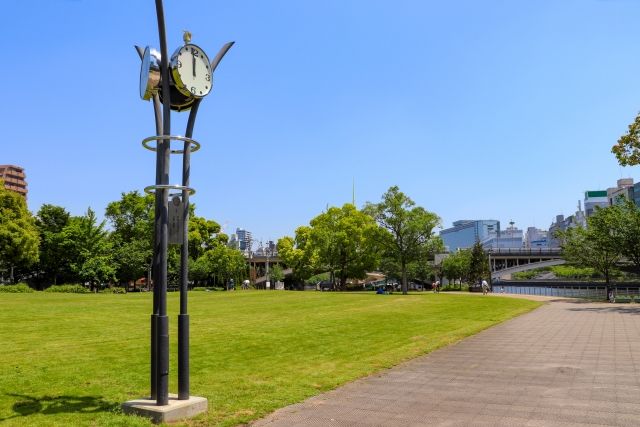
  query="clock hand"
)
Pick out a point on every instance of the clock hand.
point(194, 65)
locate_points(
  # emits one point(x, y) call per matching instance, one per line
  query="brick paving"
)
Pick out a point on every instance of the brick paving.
point(566, 364)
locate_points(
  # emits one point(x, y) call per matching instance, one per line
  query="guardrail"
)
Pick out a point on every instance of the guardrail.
point(524, 251)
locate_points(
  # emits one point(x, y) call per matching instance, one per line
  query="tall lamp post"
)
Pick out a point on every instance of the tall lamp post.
point(176, 83)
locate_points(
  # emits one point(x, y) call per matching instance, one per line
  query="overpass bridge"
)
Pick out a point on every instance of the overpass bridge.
point(505, 262)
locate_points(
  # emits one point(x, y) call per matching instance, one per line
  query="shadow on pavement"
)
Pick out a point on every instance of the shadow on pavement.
point(609, 308)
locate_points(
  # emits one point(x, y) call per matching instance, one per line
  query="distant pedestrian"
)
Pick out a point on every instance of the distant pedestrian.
point(433, 287)
point(437, 286)
point(485, 287)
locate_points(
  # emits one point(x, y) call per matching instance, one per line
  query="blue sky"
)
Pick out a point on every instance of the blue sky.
point(476, 109)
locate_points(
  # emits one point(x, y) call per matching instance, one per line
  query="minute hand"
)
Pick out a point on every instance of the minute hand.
point(194, 65)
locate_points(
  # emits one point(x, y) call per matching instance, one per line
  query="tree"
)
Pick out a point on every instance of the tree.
point(276, 274)
point(344, 243)
point(457, 265)
point(132, 238)
point(19, 238)
point(627, 150)
point(89, 249)
point(478, 263)
point(627, 224)
point(203, 235)
point(408, 228)
point(50, 221)
point(340, 241)
point(294, 254)
point(218, 265)
point(598, 245)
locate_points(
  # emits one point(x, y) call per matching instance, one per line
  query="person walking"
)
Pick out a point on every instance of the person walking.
point(485, 287)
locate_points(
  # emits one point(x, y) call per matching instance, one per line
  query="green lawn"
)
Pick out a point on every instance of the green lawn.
point(71, 359)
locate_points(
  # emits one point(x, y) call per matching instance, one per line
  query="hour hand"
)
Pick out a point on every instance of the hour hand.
point(194, 65)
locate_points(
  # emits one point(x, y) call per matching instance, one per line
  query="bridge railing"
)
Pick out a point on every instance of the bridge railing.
point(524, 251)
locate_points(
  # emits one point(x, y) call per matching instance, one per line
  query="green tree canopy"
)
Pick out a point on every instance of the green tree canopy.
point(340, 241)
point(478, 264)
point(50, 221)
point(219, 264)
point(89, 249)
point(19, 239)
point(203, 235)
point(627, 224)
point(627, 150)
point(598, 245)
point(132, 237)
point(408, 229)
point(344, 242)
point(292, 252)
point(457, 265)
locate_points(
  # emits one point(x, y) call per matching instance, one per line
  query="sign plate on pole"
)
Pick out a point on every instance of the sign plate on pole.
point(176, 221)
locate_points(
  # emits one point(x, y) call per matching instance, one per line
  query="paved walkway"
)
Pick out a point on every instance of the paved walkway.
point(565, 364)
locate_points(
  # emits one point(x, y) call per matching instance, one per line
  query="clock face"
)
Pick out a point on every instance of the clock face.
point(191, 71)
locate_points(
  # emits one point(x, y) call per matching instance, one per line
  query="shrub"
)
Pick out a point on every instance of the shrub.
point(18, 288)
point(450, 288)
point(113, 290)
point(68, 289)
point(200, 288)
point(354, 287)
point(573, 272)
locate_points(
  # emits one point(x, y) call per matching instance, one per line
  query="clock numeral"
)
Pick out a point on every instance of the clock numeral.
point(207, 77)
point(179, 64)
point(193, 90)
point(194, 51)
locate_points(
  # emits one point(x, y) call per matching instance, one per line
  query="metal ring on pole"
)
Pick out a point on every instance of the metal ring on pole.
point(194, 145)
point(151, 188)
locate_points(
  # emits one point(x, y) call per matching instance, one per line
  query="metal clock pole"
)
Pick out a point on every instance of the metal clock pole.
point(158, 78)
point(162, 324)
point(183, 317)
point(157, 107)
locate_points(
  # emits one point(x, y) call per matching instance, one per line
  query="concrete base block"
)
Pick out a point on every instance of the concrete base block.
point(176, 410)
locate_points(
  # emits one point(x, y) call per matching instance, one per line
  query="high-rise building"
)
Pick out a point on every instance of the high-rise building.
point(14, 178)
point(536, 238)
point(465, 233)
point(561, 224)
point(592, 199)
point(244, 239)
point(623, 190)
point(510, 238)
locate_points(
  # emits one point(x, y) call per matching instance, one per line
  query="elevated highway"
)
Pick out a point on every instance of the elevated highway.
point(504, 262)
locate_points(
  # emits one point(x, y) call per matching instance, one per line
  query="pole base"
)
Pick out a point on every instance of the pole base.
point(176, 410)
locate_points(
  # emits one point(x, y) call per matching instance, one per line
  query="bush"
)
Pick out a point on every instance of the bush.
point(572, 272)
point(354, 287)
point(113, 290)
point(450, 288)
point(200, 289)
point(68, 289)
point(18, 288)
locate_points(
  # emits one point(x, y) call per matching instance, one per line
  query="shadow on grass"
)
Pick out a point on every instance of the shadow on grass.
point(48, 405)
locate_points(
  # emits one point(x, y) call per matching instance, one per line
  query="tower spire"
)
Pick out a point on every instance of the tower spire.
point(353, 191)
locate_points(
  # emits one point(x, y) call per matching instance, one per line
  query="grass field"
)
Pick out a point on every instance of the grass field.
point(70, 359)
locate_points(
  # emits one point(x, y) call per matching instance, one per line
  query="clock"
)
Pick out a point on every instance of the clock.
point(149, 73)
point(191, 71)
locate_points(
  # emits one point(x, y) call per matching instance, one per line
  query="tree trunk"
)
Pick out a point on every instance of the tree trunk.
point(404, 278)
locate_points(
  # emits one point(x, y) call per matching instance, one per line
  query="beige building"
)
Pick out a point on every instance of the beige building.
point(14, 178)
